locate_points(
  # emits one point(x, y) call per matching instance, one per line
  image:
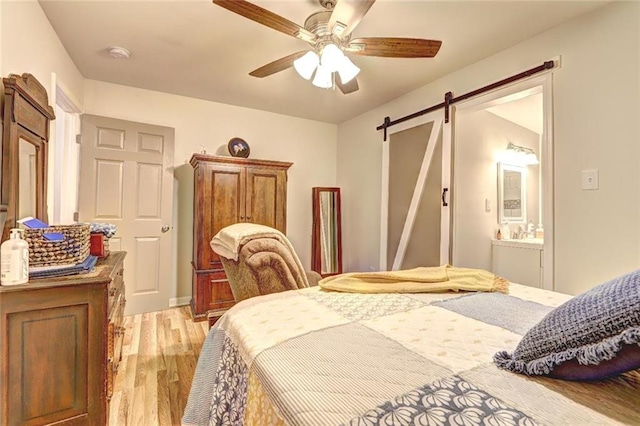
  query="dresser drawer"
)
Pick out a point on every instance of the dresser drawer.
point(115, 335)
point(115, 289)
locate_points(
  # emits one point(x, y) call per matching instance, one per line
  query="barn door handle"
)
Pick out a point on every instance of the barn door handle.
point(444, 195)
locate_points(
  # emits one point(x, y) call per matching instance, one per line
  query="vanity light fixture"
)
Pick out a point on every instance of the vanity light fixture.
point(520, 155)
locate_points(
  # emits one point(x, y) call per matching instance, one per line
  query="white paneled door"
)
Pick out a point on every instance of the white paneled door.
point(126, 178)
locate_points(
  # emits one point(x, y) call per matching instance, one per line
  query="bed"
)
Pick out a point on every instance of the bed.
point(314, 357)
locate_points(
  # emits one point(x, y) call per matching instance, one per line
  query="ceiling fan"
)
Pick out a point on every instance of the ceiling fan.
point(328, 32)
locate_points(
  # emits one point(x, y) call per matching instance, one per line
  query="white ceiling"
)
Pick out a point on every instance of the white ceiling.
point(197, 49)
point(525, 112)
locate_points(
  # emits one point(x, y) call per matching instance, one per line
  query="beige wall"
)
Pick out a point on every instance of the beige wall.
point(29, 44)
point(309, 145)
point(595, 126)
point(595, 112)
point(480, 138)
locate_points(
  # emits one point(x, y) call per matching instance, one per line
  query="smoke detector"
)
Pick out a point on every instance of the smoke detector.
point(119, 52)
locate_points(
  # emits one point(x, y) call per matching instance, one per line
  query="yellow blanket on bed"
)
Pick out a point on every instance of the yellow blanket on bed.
point(417, 280)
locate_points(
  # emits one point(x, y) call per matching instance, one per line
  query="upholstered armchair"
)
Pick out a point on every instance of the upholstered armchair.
point(259, 260)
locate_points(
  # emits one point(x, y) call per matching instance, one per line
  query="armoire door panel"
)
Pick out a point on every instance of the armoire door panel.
point(223, 186)
point(263, 198)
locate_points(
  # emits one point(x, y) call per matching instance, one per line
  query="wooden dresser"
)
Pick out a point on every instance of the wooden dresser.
point(60, 347)
point(229, 190)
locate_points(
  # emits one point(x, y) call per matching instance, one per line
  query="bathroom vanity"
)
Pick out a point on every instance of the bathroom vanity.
point(519, 261)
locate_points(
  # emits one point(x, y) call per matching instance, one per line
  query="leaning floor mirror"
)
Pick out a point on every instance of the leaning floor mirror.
point(326, 241)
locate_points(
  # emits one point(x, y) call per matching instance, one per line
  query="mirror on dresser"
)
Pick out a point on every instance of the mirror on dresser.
point(326, 243)
point(26, 114)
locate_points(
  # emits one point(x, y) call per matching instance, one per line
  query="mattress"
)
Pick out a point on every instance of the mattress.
point(312, 357)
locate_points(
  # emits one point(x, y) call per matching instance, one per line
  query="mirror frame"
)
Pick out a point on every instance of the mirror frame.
point(502, 167)
point(316, 249)
point(26, 114)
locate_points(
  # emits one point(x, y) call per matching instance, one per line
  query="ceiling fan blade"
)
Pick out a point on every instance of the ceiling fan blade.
point(394, 47)
point(265, 17)
point(350, 87)
point(277, 66)
point(348, 14)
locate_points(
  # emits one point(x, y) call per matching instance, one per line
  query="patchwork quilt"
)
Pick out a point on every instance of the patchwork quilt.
point(313, 357)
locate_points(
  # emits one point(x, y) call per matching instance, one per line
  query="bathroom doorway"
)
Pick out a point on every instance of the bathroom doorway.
point(508, 129)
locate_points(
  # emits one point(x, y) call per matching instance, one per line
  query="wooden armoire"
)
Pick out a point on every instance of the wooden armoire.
point(229, 190)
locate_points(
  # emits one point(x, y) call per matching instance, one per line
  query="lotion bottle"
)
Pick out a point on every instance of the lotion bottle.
point(14, 259)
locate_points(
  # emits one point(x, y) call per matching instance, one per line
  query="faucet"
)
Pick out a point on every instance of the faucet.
point(519, 234)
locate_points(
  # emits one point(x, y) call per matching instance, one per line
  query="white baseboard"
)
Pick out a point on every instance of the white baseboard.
point(179, 301)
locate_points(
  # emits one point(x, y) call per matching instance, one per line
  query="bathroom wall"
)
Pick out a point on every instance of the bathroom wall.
point(480, 139)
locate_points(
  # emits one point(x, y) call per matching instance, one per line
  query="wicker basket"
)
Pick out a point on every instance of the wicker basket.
point(73, 249)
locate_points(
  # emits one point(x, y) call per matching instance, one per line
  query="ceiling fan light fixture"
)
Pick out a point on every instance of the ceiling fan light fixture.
point(348, 70)
point(331, 58)
point(323, 78)
point(306, 64)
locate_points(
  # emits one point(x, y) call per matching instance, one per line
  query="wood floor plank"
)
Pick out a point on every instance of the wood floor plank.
point(174, 402)
point(164, 402)
point(170, 351)
point(160, 341)
point(159, 355)
point(136, 413)
point(123, 409)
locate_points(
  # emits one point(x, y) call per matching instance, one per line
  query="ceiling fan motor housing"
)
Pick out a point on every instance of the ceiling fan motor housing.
point(318, 24)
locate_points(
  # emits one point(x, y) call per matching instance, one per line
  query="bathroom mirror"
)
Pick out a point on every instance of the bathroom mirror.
point(512, 193)
point(326, 241)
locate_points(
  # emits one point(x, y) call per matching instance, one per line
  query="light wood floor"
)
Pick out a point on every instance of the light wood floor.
point(159, 356)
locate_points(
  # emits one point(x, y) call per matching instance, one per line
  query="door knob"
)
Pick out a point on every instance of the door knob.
point(165, 228)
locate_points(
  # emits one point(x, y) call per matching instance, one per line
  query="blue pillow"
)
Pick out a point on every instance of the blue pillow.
point(592, 336)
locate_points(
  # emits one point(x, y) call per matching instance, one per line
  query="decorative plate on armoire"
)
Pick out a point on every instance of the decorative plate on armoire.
point(238, 148)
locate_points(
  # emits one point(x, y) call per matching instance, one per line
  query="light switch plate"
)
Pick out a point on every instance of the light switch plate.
point(590, 179)
point(487, 204)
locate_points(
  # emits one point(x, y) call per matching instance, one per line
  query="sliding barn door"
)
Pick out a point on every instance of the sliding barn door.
point(415, 211)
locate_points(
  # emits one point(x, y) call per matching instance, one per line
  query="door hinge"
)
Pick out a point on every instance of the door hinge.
point(79, 139)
